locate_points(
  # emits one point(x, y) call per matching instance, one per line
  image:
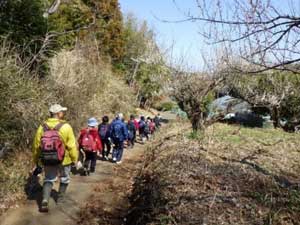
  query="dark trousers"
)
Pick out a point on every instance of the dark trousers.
point(106, 148)
point(131, 140)
point(90, 160)
point(118, 151)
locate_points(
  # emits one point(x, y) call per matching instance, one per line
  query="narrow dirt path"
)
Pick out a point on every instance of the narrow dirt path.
point(80, 192)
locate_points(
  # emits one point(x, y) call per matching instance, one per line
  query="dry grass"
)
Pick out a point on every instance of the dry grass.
point(220, 179)
point(88, 87)
point(13, 175)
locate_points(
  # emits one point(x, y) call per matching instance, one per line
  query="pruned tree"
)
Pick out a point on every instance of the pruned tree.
point(264, 33)
point(193, 93)
point(277, 92)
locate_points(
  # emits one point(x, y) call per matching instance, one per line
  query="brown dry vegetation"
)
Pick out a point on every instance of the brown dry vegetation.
point(229, 175)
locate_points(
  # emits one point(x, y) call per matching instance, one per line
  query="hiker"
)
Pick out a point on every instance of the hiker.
point(103, 131)
point(119, 134)
point(136, 124)
point(90, 143)
point(157, 121)
point(142, 125)
point(147, 129)
point(152, 126)
point(131, 131)
point(54, 147)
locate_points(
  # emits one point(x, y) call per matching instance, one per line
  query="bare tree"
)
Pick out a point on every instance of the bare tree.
point(276, 92)
point(191, 90)
point(264, 33)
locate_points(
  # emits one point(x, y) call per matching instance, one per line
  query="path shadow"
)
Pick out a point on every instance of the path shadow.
point(34, 190)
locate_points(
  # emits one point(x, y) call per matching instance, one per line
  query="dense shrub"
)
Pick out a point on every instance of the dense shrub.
point(22, 101)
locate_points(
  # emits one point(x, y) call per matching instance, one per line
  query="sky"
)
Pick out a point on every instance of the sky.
point(187, 42)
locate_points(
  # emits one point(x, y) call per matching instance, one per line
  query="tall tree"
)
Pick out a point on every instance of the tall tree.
point(22, 22)
point(108, 28)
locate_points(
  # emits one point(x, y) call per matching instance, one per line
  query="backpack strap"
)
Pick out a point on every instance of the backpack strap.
point(58, 126)
point(45, 127)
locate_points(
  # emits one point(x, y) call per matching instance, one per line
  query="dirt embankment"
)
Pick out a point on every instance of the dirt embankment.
point(229, 175)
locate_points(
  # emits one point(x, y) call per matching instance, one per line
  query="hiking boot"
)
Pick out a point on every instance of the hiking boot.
point(44, 206)
point(47, 188)
point(61, 193)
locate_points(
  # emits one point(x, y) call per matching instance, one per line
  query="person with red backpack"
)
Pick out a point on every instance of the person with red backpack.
point(54, 148)
point(136, 124)
point(103, 131)
point(90, 143)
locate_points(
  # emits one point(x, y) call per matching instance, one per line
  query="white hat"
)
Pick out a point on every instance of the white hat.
point(56, 108)
point(120, 116)
point(92, 122)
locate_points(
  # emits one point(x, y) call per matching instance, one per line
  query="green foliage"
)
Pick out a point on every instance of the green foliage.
point(166, 106)
point(108, 29)
point(70, 17)
point(144, 63)
point(146, 79)
point(22, 21)
point(196, 135)
point(136, 36)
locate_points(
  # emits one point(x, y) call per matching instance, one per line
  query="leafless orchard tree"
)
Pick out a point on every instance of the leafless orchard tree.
point(268, 91)
point(264, 33)
point(190, 91)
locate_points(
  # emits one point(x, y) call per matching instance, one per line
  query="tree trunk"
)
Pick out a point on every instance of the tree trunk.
point(275, 117)
point(197, 121)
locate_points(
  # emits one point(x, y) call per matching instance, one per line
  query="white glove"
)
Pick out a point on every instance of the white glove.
point(78, 165)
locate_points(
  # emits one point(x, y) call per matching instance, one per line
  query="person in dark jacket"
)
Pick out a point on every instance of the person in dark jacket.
point(142, 126)
point(131, 131)
point(103, 131)
point(157, 121)
point(119, 134)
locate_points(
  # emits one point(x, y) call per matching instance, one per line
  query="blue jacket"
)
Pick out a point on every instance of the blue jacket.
point(124, 130)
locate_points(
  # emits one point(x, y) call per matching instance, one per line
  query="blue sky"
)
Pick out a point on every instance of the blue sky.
point(187, 42)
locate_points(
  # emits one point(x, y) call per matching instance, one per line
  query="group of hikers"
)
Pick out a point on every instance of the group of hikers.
point(55, 150)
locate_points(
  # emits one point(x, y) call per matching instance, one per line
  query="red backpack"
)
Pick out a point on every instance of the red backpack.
point(52, 147)
point(152, 127)
point(88, 142)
